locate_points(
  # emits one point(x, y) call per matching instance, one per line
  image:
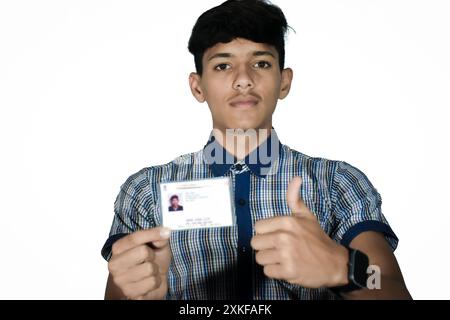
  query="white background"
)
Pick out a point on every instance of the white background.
point(88, 90)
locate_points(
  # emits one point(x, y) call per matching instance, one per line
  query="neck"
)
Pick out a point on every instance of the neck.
point(239, 142)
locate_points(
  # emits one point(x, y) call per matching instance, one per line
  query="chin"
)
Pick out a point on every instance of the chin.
point(244, 126)
point(243, 123)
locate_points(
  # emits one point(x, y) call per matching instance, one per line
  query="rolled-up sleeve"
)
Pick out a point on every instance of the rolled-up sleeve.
point(132, 210)
point(356, 206)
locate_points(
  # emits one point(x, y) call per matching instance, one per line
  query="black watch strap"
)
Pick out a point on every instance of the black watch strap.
point(358, 262)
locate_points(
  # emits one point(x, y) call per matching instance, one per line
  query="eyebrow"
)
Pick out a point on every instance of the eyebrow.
point(229, 55)
point(263, 53)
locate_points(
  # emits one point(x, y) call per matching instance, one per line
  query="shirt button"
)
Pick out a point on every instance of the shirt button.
point(238, 167)
point(241, 202)
point(243, 249)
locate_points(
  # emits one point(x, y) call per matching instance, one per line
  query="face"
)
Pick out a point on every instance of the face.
point(174, 202)
point(241, 82)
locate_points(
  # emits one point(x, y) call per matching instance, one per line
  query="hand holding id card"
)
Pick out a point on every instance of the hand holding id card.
point(196, 204)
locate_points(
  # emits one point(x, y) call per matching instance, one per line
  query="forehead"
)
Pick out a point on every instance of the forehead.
point(239, 47)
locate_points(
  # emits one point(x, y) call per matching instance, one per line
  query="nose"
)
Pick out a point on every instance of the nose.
point(243, 80)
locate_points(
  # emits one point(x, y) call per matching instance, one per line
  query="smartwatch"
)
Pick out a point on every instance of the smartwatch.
point(358, 262)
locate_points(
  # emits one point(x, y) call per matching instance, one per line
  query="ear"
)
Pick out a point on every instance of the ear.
point(286, 81)
point(196, 89)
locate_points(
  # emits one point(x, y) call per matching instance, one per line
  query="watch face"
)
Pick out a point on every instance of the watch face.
point(360, 263)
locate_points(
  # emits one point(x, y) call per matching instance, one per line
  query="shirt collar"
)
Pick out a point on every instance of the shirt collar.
point(261, 161)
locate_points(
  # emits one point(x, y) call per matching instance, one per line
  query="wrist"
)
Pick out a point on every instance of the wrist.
point(357, 263)
point(341, 275)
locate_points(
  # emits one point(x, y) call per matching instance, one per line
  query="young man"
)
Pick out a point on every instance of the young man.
point(174, 204)
point(306, 228)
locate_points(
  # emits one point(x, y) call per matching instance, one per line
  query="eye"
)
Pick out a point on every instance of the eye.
point(222, 67)
point(262, 65)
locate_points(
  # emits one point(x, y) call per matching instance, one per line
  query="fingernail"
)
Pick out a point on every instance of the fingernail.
point(164, 233)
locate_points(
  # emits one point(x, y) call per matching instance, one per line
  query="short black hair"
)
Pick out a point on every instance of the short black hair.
point(255, 20)
point(174, 197)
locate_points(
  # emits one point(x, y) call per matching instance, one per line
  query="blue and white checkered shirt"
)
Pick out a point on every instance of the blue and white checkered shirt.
point(218, 263)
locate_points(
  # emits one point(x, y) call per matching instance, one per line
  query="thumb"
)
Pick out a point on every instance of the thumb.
point(161, 244)
point(295, 202)
point(163, 254)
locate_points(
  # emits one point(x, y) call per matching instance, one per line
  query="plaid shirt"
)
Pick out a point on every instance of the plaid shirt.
point(218, 263)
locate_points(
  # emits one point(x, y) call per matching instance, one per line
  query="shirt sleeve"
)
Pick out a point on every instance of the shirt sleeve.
point(132, 210)
point(357, 206)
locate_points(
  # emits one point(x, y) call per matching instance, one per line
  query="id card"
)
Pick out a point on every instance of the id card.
point(196, 204)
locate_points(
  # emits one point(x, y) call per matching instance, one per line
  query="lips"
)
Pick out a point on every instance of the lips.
point(244, 102)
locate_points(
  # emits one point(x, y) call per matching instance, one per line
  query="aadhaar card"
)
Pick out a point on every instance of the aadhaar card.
point(196, 204)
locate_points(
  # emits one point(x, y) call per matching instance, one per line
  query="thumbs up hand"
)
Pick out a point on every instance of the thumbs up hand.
point(296, 249)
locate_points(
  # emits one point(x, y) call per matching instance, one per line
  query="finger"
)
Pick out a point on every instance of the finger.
point(138, 273)
point(161, 244)
point(267, 257)
point(140, 237)
point(294, 200)
point(273, 271)
point(128, 259)
point(135, 290)
point(273, 240)
point(263, 242)
point(280, 223)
